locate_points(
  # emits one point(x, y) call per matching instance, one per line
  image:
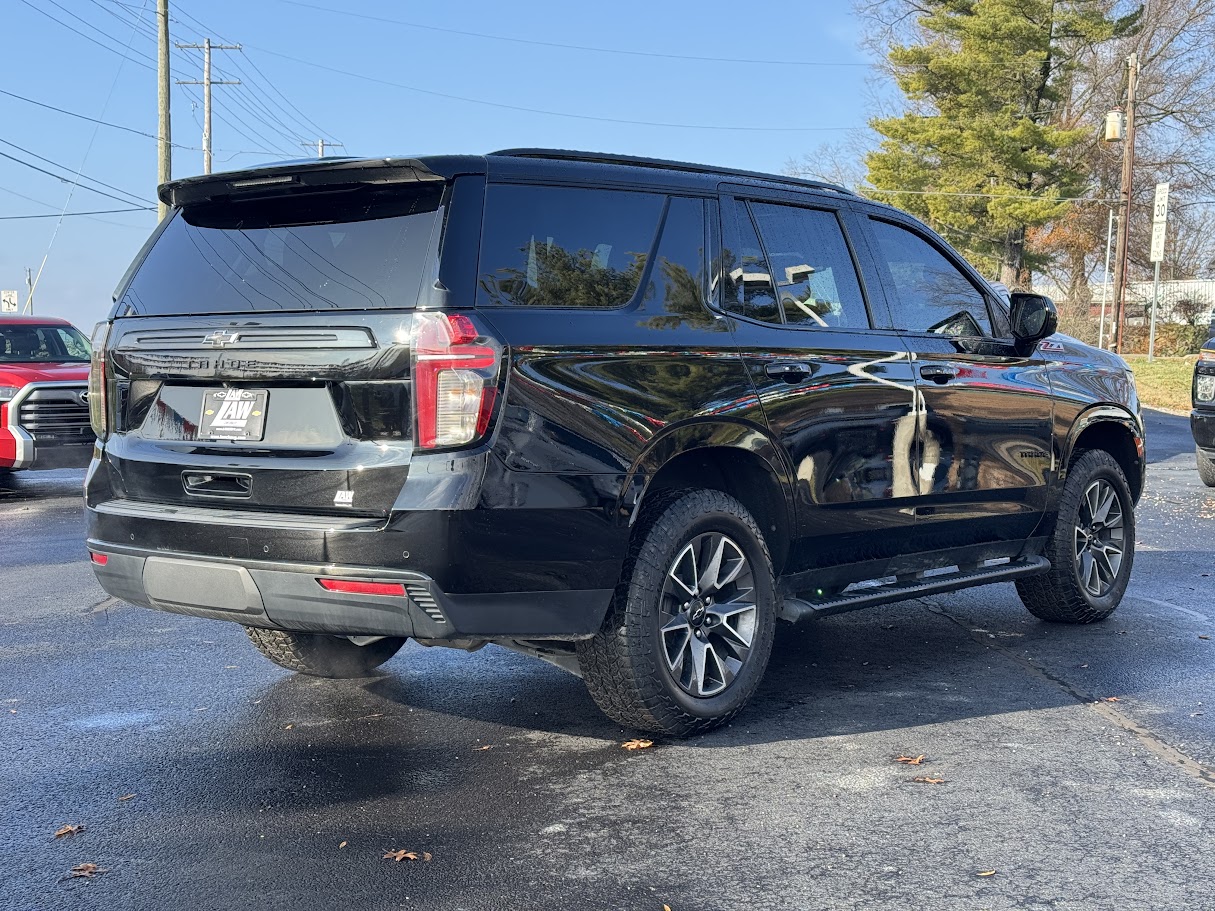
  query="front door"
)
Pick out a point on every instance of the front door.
point(986, 444)
point(838, 395)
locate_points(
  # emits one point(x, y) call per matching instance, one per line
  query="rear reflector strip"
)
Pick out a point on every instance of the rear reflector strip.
point(99, 559)
point(352, 587)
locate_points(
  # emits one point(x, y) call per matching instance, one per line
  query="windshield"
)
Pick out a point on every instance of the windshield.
point(26, 344)
point(349, 250)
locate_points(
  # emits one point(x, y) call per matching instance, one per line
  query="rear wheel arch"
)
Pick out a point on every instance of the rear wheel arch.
point(1116, 432)
point(745, 472)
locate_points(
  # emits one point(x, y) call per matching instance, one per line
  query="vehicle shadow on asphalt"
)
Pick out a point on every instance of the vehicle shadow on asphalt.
point(887, 670)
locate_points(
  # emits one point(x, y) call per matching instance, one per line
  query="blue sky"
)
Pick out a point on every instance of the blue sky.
point(284, 102)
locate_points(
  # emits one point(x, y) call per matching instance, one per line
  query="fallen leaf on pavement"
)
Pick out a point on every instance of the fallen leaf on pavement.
point(637, 744)
point(1204, 637)
point(289, 727)
point(911, 760)
point(926, 780)
point(666, 908)
point(986, 873)
point(69, 829)
point(127, 797)
point(488, 746)
point(342, 845)
point(1112, 699)
point(398, 856)
point(86, 871)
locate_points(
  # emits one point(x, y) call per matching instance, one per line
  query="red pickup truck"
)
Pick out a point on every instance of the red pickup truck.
point(44, 397)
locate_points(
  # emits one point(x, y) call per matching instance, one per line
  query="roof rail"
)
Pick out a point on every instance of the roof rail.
point(639, 161)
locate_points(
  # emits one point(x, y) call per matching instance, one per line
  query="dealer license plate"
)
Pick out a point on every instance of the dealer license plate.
point(233, 414)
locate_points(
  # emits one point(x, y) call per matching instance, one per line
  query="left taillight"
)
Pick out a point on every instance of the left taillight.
point(98, 413)
point(455, 380)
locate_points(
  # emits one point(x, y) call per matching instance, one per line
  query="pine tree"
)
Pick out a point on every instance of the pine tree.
point(984, 80)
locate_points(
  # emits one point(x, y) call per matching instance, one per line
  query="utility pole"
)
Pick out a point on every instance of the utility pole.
point(1124, 204)
point(321, 145)
point(164, 144)
point(206, 47)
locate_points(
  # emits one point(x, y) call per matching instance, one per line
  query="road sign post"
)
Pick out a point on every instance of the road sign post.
point(1160, 215)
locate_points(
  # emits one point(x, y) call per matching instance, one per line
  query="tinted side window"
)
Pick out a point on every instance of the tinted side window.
point(565, 246)
point(815, 277)
point(677, 281)
point(927, 292)
point(746, 280)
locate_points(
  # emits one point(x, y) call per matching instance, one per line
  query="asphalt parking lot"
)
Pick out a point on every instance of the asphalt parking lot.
point(1078, 764)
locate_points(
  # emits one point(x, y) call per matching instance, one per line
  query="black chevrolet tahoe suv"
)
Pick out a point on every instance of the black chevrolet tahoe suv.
point(617, 413)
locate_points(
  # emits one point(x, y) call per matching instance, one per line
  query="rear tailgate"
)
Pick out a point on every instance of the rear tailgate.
point(259, 359)
point(320, 422)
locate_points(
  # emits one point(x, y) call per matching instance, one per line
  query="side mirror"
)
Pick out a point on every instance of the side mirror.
point(1034, 317)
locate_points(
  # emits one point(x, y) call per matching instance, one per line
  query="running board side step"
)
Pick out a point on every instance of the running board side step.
point(933, 583)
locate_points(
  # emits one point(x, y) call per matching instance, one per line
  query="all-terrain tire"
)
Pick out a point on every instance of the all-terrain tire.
point(624, 665)
point(1059, 596)
point(321, 655)
point(1206, 467)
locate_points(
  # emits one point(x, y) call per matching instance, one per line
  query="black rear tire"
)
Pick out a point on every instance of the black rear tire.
point(1073, 591)
point(642, 670)
point(320, 655)
point(1206, 467)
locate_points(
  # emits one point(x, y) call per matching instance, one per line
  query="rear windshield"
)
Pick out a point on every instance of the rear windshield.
point(26, 344)
point(347, 250)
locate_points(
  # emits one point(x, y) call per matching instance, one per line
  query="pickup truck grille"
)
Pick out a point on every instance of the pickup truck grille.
point(56, 413)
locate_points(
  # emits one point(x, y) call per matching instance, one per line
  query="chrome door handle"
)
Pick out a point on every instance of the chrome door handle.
point(938, 373)
point(789, 371)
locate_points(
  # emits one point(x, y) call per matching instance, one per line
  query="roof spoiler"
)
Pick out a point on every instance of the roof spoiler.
point(294, 176)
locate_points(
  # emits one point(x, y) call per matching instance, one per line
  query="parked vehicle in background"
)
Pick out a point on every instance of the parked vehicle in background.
point(1202, 418)
point(620, 414)
point(44, 411)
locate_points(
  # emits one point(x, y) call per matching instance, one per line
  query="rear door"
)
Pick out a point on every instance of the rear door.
point(260, 354)
point(838, 395)
point(986, 448)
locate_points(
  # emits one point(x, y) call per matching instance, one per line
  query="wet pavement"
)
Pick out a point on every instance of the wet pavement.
point(1078, 763)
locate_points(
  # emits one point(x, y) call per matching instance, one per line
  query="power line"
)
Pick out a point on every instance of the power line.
point(126, 53)
point(125, 129)
point(47, 205)
point(60, 178)
point(576, 47)
point(73, 214)
point(100, 183)
point(84, 36)
point(866, 190)
point(527, 110)
point(309, 127)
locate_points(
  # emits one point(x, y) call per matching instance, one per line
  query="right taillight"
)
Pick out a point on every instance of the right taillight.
point(97, 384)
point(455, 380)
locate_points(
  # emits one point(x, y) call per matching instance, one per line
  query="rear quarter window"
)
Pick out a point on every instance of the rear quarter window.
point(565, 246)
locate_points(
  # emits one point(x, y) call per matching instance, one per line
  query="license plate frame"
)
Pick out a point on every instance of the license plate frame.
point(234, 415)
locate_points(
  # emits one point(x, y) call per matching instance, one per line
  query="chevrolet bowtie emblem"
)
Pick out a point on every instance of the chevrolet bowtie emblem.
point(220, 337)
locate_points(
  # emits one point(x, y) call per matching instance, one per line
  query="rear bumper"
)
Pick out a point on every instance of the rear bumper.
point(288, 596)
point(1202, 425)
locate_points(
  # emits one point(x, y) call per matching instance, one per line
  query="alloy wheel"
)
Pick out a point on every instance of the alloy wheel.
point(708, 614)
point(1099, 538)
